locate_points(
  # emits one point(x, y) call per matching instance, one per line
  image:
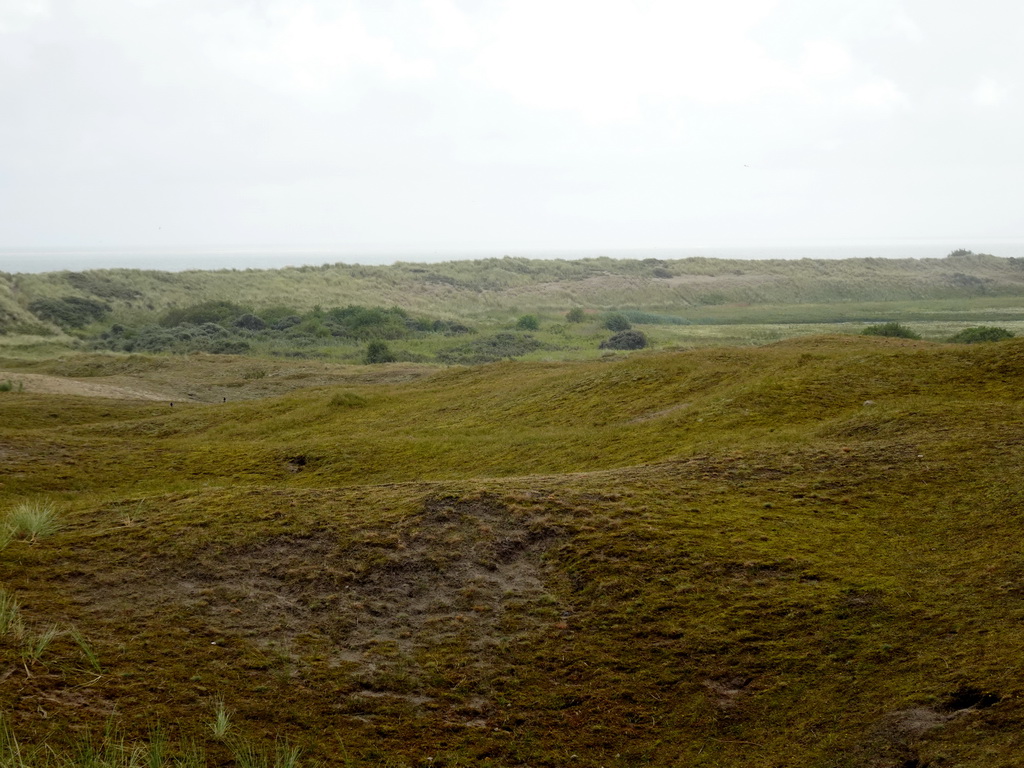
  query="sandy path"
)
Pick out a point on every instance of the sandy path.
point(58, 385)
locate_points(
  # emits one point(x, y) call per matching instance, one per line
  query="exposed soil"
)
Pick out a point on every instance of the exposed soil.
point(385, 608)
point(59, 385)
point(205, 378)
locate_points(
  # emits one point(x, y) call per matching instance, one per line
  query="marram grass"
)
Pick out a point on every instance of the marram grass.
point(32, 520)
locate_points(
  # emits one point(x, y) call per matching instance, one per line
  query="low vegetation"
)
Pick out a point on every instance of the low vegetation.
point(891, 330)
point(625, 340)
point(428, 313)
point(710, 557)
point(32, 520)
point(470, 514)
point(979, 334)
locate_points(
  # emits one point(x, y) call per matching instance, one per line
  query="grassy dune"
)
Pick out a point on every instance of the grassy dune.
point(511, 284)
point(801, 554)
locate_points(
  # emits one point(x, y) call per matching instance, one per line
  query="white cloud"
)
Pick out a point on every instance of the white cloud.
point(878, 96)
point(825, 59)
point(16, 15)
point(990, 93)
point(450, 27)
point(307, 49)
point(604, 59)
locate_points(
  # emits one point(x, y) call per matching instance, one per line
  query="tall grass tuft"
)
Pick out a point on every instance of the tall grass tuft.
point(86, 648)
point(10, 750)
point(33, 520)
point(221, 722)
point(36, 646)
point(10, 615)
point(248, 756)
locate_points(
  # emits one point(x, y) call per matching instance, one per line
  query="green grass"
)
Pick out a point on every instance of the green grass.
point(710, 557)
point(669, 296)
point(32, 520)
point(10, 616)
point(36, 645)
point(221, 723)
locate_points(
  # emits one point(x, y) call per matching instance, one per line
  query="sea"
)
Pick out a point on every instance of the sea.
point(14, 260)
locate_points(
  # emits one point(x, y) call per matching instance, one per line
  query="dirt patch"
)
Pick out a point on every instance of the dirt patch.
point(38, 383)
point(388, 606)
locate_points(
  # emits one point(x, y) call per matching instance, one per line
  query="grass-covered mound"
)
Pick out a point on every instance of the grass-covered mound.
point(801, 554)
point(493, 309)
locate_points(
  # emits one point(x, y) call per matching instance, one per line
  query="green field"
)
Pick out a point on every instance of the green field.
point(758, 542)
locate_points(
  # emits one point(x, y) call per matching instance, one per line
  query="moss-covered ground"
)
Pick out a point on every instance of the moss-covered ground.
point(801, 554)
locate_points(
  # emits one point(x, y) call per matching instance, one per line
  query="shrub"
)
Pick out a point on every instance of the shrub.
point(893, 330)
point(625, 340)
point(616, 321)
point(69, 311)
point(980, 333)
point(274, 315)
point(287, 322)
point(11, 386)
point(500, 346)
point(250, 322)
point(575, 315)
point(368, 322)
point(378, 352)
point(528, 323)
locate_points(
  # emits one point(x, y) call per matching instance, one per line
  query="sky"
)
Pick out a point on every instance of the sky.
point(505, 124)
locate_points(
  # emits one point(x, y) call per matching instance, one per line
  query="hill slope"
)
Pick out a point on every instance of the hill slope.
point(475, 288)
point(802, 554)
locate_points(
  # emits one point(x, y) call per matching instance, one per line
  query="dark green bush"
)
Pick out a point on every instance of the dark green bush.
point(528, 323)
point(287, 322)
point(575, 315)
point(980, 333)
point(274, 315)
point(208, 337)
point(250, 322)
point(501, 346)
point(893, 330)
point(625, 340)
point(378, 352)
point(616, 321)
point(367, 322)
point(69, 311)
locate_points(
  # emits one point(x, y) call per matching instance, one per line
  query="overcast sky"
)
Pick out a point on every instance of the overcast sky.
point(508, 123)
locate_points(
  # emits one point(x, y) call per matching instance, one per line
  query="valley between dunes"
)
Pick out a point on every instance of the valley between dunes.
point(801, 554)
